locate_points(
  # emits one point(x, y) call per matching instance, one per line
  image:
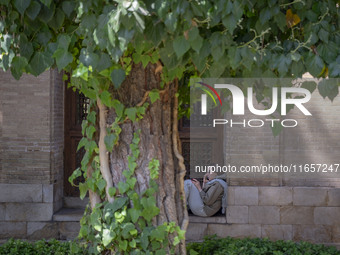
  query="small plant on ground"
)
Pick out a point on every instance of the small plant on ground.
point(256, 246)
point(41, 247)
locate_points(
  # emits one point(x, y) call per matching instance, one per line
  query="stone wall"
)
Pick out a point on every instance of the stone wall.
point(31, 158)
point(278, 213)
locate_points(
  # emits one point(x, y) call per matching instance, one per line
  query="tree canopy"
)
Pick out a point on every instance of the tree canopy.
point(100, 38)
point(98, 42)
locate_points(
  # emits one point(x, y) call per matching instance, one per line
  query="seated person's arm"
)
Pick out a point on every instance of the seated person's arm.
point(212, 194)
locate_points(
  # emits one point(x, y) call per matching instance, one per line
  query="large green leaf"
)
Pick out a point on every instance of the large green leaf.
point(58, 19)
point(63, 41)
point(26, 47)
point(108, 236)
point(33, 10)
point(40, 62)
point(117, 77)
point(314, 65)
point(21, 5)
point(63, 58)
point(328, 88)
point(18, 66)
point(68, 7)
point(88, 58)
point(180, 46)
point(134, 214)
point(131, 113)
point(230, 22)
point(110, 141)
point(104, 62)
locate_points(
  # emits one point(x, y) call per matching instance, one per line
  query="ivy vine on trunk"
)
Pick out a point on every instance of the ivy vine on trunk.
point(128, 57)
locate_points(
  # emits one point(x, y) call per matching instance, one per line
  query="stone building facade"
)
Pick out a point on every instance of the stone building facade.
point(32, 200)
point(31, 154)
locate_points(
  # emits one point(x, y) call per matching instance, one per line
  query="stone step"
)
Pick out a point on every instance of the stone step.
point(75, 202)
point(68, 222)
point(68, 214)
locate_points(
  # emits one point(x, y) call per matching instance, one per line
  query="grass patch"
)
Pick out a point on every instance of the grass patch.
point(255, 246)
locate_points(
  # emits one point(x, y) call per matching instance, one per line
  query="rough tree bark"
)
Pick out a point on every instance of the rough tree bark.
point(158, 139)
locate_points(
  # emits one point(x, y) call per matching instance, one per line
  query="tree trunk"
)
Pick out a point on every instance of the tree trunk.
point(158, 139)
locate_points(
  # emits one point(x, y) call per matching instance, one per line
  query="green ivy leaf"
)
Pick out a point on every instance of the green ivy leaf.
point(63, 41)
point(230, 22)
point(154, 95)
point(197, 43)
point(180, 46)
point(21, 5)
point(119, 108)
point(68, 7)
point(265, 15)
point(104, 62)
point(123, 245)
point(314, 65)
point(83, 190)
point(283, 64)
point(117, 204)
point(47, 12)
point(88, 58)
point(131, 182)
point(110, 141)
point(76, 173)
point(145, 60)
point(126, 228)
point(63, 58)
point(328, 88)
point(101, 184)
point(81, 71)
point(33, 10)
point(40, 62)
point(105, 96)
point(217, 69)
point(90, 131)
point(134, 214)
point(108, 236)
point(18, 66)
point(131, 113)
point(334, 69)
point(309, 85)
point(92, 117)
point(58, 19)
point(82, 143)
point(26, 48)
point(323, 35)
point(150, 208)
point(112, 191)
point(117, 77)
point(123, 187)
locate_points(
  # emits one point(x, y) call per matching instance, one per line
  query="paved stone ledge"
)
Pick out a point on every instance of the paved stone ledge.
point(214, 219)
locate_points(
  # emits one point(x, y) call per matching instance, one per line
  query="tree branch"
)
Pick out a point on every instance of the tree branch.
point(182, 171)
point(103, 153)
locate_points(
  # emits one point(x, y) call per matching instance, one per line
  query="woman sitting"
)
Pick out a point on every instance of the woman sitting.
point(209, 199)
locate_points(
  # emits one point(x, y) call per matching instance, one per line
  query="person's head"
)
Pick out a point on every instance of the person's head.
point(211, 176)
